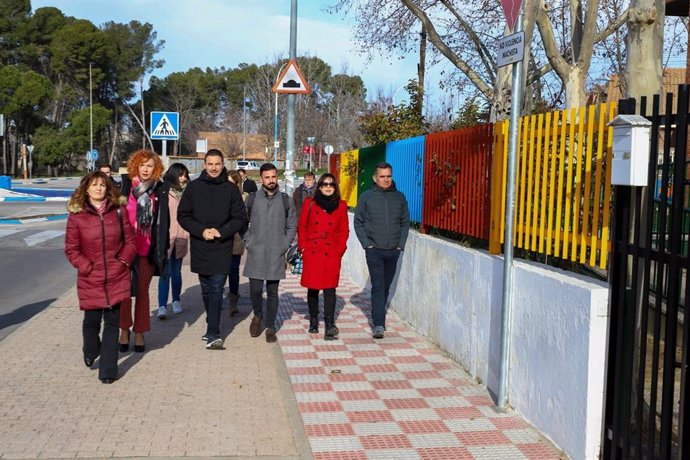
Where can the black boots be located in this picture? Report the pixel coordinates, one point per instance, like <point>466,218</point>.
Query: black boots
<point>314,325</point>
<point>331,330</point>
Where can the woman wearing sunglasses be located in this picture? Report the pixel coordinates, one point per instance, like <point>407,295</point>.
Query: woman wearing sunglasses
<point>322,239</point>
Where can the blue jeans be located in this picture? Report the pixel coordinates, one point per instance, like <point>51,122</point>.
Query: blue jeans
<point>234,277</point>
<point>382,264</point>
<point>212,294</point>
<point>174,272</point>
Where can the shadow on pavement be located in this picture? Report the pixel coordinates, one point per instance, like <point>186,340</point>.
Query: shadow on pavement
<point>23,313</point>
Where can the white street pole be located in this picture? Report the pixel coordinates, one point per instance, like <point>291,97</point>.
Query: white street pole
<point>275,134</point>
<point>290,124</point>
<point>244,123</point>
<point>507,313</point>
<point>90,110</point>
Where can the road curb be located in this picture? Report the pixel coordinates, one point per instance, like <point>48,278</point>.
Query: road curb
<point>31,220</point>
<point>30,199</point>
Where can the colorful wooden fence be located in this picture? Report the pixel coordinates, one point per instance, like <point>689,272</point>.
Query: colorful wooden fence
<point>563,192</point>
<point>407,159</point>
<point>456,181</point>
<point>348,176</point>
<point>369,157</point>
<point>457,174</point>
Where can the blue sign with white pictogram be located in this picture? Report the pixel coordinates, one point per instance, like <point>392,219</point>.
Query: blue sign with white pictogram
<point>165,126</point>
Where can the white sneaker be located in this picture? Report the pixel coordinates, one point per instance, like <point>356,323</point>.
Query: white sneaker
<point>162,312</point>
<point>177,308</point>
<point>216,344</point>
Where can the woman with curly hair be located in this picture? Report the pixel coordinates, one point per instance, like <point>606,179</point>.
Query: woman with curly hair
<point>100,245</point>
<point>144,200</point>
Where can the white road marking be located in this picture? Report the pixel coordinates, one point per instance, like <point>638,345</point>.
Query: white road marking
<point>8,232</point>
<point>40,237</point>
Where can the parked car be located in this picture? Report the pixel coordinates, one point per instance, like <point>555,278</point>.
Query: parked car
<point>248,165</point>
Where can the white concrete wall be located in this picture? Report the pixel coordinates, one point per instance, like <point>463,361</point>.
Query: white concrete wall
<point>452,295</point>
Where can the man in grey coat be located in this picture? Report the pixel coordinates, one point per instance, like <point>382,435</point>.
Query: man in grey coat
<point>382,223</point>
<point>272,227</point>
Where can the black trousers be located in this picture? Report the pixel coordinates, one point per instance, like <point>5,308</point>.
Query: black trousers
<point>107,347</point>
<point>256,291</point>
<point>328,304</point>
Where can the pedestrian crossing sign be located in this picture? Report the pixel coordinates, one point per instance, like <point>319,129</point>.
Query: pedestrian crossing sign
<point>165,126</point>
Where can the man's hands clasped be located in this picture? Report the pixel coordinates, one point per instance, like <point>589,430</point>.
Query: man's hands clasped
<point>210,233</point>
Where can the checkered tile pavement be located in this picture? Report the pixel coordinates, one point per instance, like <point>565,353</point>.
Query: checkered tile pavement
<point>396,398</point>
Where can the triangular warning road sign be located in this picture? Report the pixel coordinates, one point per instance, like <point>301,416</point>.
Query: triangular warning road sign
<point>291,80</point>
<point>164,128</point>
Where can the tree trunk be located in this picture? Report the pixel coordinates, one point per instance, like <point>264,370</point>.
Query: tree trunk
<point>421,69</point>
<point>576,96</point>
<point>644,68</point>
<point>116,130</point>
<point>143,114</point>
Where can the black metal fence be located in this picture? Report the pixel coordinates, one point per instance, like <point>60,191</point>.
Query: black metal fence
<point>646,415</point>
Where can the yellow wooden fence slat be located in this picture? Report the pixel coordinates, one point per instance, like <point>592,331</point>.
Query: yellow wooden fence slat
<point>607,198</point>
<point>562,149</point>
<point>585,236</point>
<point>598,186</point>
<point>569,181</point>
<point>522,185</point>
<point>552,185</point>
<point>536,194</point>
<point>578,184</point>
<point>529,189</point>
<point>545,193</point>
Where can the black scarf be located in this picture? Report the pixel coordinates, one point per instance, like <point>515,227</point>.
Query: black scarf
<point>143,193</point>
<point>328,203</point>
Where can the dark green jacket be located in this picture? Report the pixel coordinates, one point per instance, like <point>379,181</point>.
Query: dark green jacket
<point>382,219</point>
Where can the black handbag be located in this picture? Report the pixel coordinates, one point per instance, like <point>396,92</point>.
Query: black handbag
<point>134,266</point>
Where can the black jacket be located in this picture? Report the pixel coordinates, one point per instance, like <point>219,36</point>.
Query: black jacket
<point>382,219</point>
<point>212,203</point>
<point>249,186</point>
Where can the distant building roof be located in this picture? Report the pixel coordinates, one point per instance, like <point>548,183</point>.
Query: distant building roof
<point>232,144</point>
<point>672,77</point>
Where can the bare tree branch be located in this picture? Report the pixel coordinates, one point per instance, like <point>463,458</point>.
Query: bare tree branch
<point>456,60</point>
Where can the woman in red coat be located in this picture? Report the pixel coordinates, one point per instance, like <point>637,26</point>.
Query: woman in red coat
<point>322,239</point>
<point>100,244</point>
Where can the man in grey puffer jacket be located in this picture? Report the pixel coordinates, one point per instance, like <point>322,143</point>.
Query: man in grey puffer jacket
<point>382,223</point>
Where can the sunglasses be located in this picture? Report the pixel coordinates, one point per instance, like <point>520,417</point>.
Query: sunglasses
<point>328,184</point>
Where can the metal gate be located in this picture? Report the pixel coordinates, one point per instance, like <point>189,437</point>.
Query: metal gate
<point>646,416</point>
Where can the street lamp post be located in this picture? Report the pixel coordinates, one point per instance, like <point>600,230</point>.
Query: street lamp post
<point>90,110</point>
<point>244,123</point>
<point>275,122</point>
<point>275,133</point>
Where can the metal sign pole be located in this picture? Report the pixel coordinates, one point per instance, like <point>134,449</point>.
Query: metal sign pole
<point>165,154</point>
<point>507,306</point>
<point>290,124</point>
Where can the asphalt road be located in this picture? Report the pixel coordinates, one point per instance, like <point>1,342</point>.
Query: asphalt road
<point>34,270</point>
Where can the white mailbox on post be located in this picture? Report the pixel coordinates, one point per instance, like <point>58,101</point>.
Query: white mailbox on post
<point>630,150</point>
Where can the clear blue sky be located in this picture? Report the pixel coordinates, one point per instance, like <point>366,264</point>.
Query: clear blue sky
<point>215,33</point>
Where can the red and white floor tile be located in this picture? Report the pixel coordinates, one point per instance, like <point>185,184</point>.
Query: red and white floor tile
<point>395,398</point>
